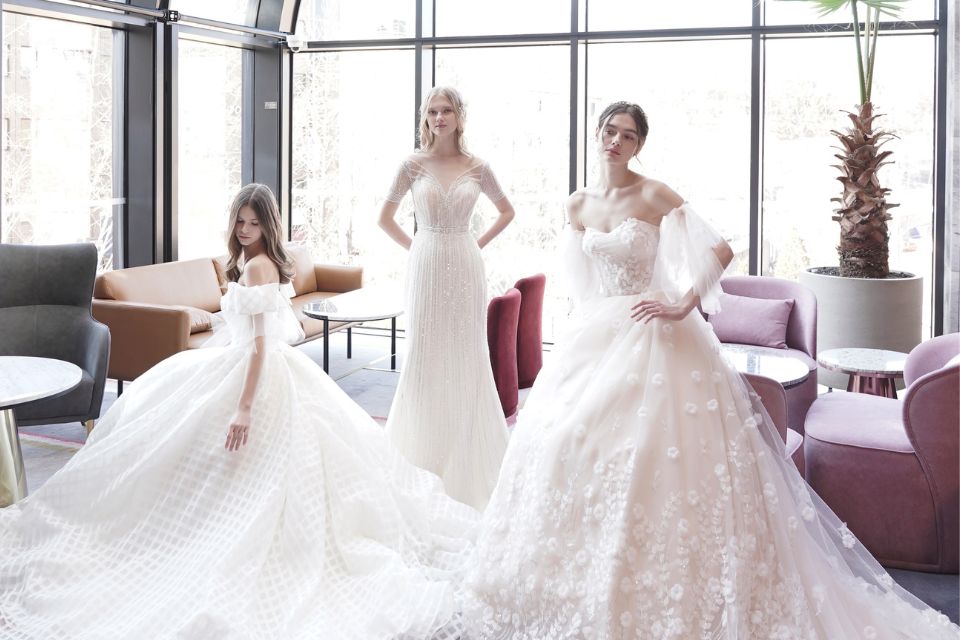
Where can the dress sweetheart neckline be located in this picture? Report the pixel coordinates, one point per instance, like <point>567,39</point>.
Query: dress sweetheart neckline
<point>620,224</point>
<point>436,180</point>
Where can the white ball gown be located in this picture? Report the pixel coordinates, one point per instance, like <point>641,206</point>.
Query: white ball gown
<point>645,494</point>
<point>446,415</point>
<point>315,529</point>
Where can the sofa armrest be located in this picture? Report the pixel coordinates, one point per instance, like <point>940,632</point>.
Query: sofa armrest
<point>338,278</point>
<point>141,335</point>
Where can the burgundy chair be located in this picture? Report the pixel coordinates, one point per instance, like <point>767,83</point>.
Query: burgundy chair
<point>889,467</point>
<point>503,314</point>
<point>530,329</point>
<point>801,333</point>
<point>774,400</point>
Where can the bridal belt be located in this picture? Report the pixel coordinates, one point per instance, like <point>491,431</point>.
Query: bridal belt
<point>442,229</point>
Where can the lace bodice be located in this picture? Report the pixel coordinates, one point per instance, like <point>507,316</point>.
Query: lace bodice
<point>444,208</point>
<point>624,256</point>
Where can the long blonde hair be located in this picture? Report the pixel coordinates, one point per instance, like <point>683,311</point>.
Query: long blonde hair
<point>260,198</point>
<point>426,137</point>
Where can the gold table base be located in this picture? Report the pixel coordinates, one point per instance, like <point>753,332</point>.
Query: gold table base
<point>13,479</point>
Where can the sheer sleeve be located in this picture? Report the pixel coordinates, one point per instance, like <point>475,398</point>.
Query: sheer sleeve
<point>254,312</point>
<point>686,260</point>
<point>578,272</point>
<point>401,183</point>
<point>489,185</point>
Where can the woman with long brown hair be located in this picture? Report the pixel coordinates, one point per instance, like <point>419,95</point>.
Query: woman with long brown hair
<point>235,492</point>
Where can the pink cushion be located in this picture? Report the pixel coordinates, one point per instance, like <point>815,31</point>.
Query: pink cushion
<point>757,321</point>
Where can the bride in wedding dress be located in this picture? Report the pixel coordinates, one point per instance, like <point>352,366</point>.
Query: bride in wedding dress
<point>446,415</point>
<point>645,493</point>
<point>235,492</point>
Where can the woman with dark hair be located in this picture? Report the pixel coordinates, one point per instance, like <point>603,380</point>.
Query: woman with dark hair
<point>235,492</point>
<point>446,415</point>
<point>645,492</point>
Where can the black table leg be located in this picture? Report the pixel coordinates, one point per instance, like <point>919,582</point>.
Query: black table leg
<point>326,345</point>
<point>349,342</point>
<point>393,342</point>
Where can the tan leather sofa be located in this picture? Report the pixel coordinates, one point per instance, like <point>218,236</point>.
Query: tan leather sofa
<point>158,310</point>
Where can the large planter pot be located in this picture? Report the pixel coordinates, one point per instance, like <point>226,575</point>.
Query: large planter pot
<point>864,312</point>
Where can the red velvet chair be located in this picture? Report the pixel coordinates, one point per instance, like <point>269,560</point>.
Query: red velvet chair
<point>503,313</point>
<point>530,329</point>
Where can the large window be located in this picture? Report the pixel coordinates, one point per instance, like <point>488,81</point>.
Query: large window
<point>353,123</point>
<point>743,137</point>
<point>210,144</point>
<point>60,132</point>
<point>803,103</point>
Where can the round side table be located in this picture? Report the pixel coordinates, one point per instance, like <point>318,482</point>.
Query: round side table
<point>872,371</point>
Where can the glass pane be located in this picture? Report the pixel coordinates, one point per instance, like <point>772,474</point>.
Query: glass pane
<point>699,116</point>
<point>792,12</point>
<point>494,17</point>
<point>519,123</point>
<point>356,19</point>
<point>616,15</point>
<point>349,137</point>
<point>804,102</point>
<point>210,130</point>
<point>232,11</point>
<point>58,134</point>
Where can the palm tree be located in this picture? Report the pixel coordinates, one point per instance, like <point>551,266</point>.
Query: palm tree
<point>863,207</point>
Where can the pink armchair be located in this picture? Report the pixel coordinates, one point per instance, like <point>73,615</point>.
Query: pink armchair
<point>889,467</point>
<point>801,332</point>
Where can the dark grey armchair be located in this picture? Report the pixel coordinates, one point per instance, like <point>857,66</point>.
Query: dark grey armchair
<point>45,298</point>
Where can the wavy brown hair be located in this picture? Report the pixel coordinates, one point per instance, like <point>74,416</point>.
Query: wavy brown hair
<point>261,200</point>
<point>632,110</point>
<point>451,94</point>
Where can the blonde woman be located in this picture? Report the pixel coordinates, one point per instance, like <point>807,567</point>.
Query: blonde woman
<point>235,492</point>
<point>446,416</point>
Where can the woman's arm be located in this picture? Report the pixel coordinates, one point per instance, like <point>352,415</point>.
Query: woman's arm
<point>389,224</point>
<point>258,272</point>
<point>506,217</point>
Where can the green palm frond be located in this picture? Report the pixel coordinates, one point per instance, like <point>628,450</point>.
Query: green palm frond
<point>891,8</point>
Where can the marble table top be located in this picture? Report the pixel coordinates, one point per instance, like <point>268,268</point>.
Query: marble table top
<point>359,305</point>
<point>784,368</point>
<point>862,361</point>
<point>23,378</point>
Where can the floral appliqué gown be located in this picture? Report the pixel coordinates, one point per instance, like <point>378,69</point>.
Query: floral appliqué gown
<point>645,494</point>
<point>446,415</point>
<point>316,528</point>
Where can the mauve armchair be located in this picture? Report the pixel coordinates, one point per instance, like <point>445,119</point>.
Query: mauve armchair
<point>45,299</point>
<point>530,329</point>
<point>801,333</point>
<point>774,400</point>
<point>503,312</point>
<point>889,467</point>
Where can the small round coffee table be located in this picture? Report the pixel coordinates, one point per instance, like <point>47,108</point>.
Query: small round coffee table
<point>872,371</point>
<point>23,379</point>
<point>788,370</point>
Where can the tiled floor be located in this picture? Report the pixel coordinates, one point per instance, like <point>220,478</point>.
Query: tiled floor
<point>373,390</point>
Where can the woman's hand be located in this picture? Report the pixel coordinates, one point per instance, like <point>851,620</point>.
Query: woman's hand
<point>646,310</point>
<point>238,431</point>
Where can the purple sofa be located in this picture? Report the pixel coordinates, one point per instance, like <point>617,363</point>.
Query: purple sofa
<point>530,329</point>
<point>889,467</point>
<point>801,333</point>
<point>774,400</point>
<point>503,312</point>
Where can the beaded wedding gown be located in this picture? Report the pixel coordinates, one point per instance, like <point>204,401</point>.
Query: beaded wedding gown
<point>446,415</point>
<point>645,493</point>
<point>316,528</point>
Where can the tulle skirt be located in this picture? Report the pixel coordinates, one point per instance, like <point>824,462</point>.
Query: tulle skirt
<point>645,494</point>
<point>315,529</point>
